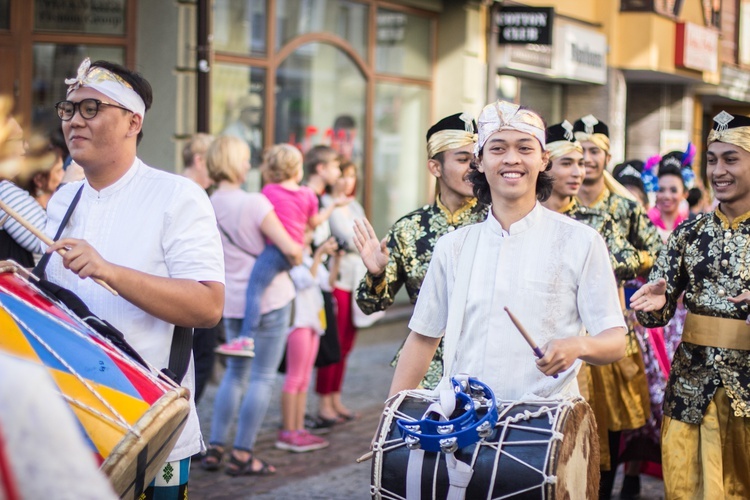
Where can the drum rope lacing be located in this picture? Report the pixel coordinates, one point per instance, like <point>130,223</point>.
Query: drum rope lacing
<point>506,421</point>
<point>118,419</point>
<point>154,374</point>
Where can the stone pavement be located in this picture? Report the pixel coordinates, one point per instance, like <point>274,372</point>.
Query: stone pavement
<point>331,473</point>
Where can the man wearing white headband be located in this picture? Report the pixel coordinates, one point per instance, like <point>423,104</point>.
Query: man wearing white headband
<point>515,259</point>
<point>627,398</point>
<point>401,259</point>
<point>706,429</point>
<point>149,234</point>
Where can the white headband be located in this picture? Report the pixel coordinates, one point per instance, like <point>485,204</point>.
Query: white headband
<point>109,84</point>
<point>503,115</point>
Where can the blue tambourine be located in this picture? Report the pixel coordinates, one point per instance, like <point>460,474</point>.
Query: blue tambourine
<point>478,417</point>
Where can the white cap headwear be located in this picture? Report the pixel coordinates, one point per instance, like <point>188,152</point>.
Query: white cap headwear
<point>109,84</point>
<point>504,115</point>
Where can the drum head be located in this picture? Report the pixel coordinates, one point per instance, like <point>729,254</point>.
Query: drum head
<point>136,460</point>
<point>575,459</point>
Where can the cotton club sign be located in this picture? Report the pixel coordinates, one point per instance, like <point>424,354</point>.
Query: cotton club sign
<point>522,25</point>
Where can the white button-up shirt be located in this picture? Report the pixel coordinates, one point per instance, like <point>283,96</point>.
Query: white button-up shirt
<point>157,223</point>
<point>552,272</point>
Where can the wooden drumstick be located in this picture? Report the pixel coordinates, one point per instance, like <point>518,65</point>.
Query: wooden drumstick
<point>538,352</point>
<point>46,239</point>
<point>367,456</point>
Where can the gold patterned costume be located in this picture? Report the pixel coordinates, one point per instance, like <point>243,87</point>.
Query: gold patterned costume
<point>618,392</point>
<point>706,430</point>
<point>411,241</point>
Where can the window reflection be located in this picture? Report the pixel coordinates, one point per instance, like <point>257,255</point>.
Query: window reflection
<point>403,44</point>
<point>399,177</point>
<point>238,108</point>
<point>80,17</point>
<point>344,18</point>
<point>53,63</point>
<point>239,26</point>
<point>320,99</point>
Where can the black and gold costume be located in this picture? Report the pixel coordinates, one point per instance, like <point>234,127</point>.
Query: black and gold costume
<point>411,241</point>
<point>708,259</point>
<point>625,259</point>
<point>634,225</point>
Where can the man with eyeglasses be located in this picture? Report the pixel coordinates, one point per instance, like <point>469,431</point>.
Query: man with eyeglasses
<point>149,234</point>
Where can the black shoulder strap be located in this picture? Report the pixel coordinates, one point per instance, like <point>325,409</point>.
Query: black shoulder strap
<point>182,339</point>
<point>231,241</point>
<point>38,271</point>
<point>179,353</point>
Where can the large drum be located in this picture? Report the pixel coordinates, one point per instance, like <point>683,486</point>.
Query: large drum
<point>129,415</point>
<point>538,449</point>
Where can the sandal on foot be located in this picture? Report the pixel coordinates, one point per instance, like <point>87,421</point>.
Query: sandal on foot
<point>237,467</point>
<point>213,458</point>
<point>348,416</point>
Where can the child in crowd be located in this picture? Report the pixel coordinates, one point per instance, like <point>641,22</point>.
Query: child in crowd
<point>310,279</point>
<point>297,209</point>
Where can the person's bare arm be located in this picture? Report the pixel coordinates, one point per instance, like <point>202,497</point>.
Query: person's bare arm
<point>606,347</point>
<point>181,302</point>
<point>413,362</point>
<point>273,229</point>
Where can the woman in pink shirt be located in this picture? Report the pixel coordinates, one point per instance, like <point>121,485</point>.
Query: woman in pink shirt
<point>297,209</point>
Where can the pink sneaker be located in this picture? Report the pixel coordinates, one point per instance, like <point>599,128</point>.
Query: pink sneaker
<point>241,346</point>
<point>300,441</point>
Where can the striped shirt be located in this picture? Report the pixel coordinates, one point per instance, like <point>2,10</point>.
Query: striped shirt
<point>22,202</point>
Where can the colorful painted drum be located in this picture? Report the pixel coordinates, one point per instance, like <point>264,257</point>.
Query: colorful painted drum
<point>129,415</point>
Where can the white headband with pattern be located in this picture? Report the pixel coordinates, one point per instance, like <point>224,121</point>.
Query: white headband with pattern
<point>504,115</point>
<point>109,84</point>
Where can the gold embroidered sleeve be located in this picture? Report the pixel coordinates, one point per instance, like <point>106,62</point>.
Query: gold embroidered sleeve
<point>644,237</point>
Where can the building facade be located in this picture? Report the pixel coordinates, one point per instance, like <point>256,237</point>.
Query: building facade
<point>370,76</point>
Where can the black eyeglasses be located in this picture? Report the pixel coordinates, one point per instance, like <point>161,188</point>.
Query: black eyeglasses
<point>88,108</point>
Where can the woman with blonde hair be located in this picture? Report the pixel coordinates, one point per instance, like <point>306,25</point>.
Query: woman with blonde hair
<point>297,209</point>
<point>245,221</point>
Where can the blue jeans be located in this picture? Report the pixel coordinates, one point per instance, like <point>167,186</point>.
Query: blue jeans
<point>269,263</point>
<point>270,340</point>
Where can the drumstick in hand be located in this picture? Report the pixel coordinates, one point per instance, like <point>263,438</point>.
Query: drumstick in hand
<point>46,239</point>
<point>538,352</point>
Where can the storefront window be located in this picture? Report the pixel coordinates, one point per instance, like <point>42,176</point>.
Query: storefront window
<point>404,44</point>
<point>239,26</point>
<point>82,16</point>
<point>317,87</point>
<point>53,63</point>
<point>341,17</point>
<point>238,108</point>
<point>399,177</point>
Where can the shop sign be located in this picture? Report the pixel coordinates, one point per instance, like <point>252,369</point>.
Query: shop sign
<point>580,54</point>
<point>735,83</point>
<point>697,48</point>
<point>522,25</point>
<point>80,16</point>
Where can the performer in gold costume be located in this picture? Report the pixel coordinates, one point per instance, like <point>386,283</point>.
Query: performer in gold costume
<point>402,257</point>
<point>622,386</point>
<point>706,428</point>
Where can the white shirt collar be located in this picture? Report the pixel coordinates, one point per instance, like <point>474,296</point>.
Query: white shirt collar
<point>517,227</point>
<point>118,185</point>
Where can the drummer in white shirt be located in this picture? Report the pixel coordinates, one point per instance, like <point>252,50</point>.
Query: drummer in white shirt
<point>552,272</point>
<point>149,234</point>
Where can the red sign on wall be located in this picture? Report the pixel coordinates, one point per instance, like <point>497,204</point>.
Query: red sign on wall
<point>697,48</point>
